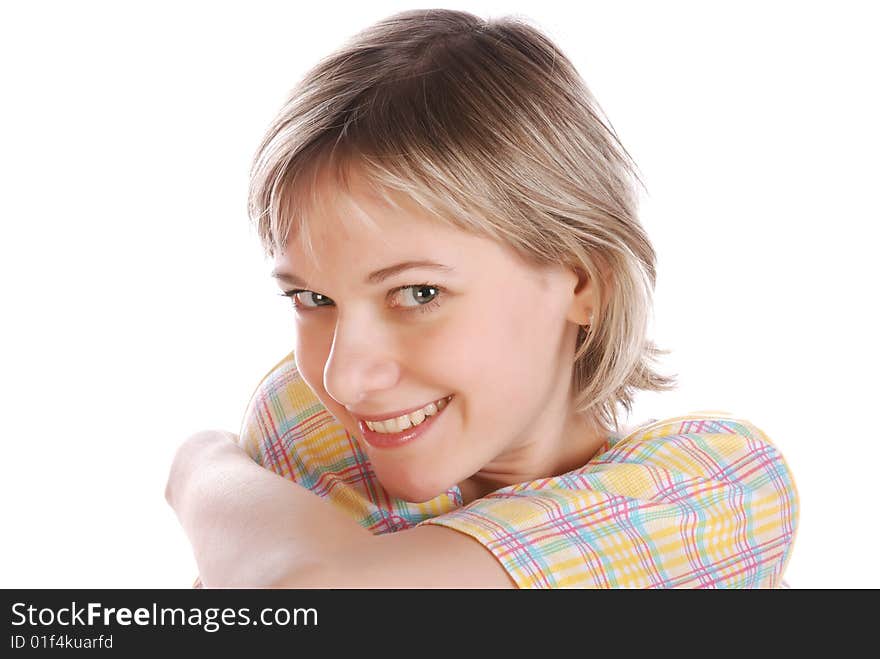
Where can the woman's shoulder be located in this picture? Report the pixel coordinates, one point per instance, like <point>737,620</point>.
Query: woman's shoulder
<point>280,408</point>
<point>710,444</point>
<point>699,500</point>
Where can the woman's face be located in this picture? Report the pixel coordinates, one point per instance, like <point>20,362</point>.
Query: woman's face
<point>377,336</point>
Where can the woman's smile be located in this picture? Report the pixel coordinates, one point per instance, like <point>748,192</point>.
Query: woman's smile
<point>404,419</point>
<point>404,429</point>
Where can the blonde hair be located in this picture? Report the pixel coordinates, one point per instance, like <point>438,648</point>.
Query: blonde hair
<point>487,126</point>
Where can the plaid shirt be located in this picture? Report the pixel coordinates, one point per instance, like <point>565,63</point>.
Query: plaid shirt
<point>699,501</point>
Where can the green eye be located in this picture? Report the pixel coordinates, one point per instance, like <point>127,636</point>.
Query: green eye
<point>307,299</point>
<point>422,298</point>
<point>422,294</point>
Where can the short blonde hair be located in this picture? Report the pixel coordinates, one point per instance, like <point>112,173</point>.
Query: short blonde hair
<point>487,126</point>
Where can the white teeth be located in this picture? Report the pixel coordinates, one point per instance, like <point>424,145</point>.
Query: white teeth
<point>407,421</point>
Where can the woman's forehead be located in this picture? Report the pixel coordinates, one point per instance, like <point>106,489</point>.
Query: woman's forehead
<point>356,231</point>
<point>360,210</point>
<point>344,217</point>
<point>450,253</point>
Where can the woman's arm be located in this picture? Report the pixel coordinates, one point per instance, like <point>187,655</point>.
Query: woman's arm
<point>251,528</point>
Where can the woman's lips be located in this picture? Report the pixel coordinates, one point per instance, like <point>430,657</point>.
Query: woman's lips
<point>388,440</point>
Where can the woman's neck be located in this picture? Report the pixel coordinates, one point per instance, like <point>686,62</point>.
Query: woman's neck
<point>578,442</point>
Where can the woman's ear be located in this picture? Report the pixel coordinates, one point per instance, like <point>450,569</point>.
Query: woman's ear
<point>583,298</point>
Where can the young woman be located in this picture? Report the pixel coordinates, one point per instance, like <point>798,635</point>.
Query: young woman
<point>456,227</point>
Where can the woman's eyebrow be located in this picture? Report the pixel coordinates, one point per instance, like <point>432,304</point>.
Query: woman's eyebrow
<point>375,277</point>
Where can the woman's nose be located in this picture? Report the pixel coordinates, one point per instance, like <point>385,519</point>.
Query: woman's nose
<point>359,365</point>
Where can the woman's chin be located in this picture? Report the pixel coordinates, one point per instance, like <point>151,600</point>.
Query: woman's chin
<point>410,489</point>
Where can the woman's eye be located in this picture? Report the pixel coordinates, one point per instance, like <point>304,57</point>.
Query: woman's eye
<point>415,296</point>
<point>307,299</point>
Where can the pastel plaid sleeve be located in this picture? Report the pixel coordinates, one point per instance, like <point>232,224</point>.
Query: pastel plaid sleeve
<point>688,502</point>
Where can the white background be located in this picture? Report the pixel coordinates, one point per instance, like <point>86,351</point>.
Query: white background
<point>138,308</point>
